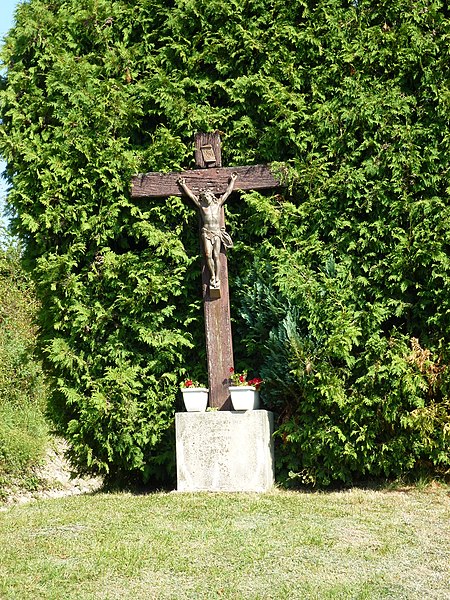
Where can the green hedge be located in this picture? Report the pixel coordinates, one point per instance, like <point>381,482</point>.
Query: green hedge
<point>350,262</point>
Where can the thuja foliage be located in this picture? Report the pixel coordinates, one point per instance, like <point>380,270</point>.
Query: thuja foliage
<point>348,317</point>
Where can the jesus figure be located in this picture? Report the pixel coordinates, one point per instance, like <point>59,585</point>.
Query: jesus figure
<point>213,234</point>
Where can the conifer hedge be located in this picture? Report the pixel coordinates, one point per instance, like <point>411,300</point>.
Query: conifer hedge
<point>343,279</point>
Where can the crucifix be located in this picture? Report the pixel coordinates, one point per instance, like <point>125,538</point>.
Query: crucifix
<point>208,187</point>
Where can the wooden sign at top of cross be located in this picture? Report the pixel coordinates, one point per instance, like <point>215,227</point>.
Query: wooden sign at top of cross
<point>210,179</point>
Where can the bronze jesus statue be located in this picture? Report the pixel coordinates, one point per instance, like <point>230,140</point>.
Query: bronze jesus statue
<point>213,234</point>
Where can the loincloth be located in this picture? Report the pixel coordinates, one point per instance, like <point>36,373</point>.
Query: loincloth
<point>222,235</point>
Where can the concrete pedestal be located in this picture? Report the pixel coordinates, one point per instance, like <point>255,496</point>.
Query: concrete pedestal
<point>225,451</point>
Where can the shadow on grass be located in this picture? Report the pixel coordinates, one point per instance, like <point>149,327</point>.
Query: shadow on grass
<point>419,482</point>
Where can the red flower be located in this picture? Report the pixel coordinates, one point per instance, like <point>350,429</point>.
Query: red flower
<point>231,369</point>
<point>256,382</point>
<point>189,383</point>
<point>242,378</point>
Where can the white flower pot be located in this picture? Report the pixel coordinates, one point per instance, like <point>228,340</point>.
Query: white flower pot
<point>244,397</point>
<point>195,399</point>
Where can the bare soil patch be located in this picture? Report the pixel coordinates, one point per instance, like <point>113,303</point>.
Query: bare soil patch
<point>55,478</point>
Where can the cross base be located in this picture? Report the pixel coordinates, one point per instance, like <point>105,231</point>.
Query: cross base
<point>226,451</point>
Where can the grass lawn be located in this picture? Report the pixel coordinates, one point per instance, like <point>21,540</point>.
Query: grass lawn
<point>352,544</point>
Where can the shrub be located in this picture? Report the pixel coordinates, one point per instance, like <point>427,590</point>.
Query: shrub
<point>345,411</point>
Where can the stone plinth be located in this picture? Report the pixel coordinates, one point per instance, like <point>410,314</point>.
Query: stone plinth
<point>225,451</point>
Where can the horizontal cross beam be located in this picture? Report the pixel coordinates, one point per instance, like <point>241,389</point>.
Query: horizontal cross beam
<point>157,185</point>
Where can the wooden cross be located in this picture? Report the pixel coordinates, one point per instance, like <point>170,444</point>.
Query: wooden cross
<point>210,176</point>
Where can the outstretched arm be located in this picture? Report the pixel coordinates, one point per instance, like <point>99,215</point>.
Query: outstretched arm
<point>229,189</point>
<point>182,181</point>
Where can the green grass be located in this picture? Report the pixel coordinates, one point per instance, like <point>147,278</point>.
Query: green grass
<point>355,544</point>
<point>23,391</point>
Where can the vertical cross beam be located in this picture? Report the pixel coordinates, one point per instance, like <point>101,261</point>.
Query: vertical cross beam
<point>219,345</point>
